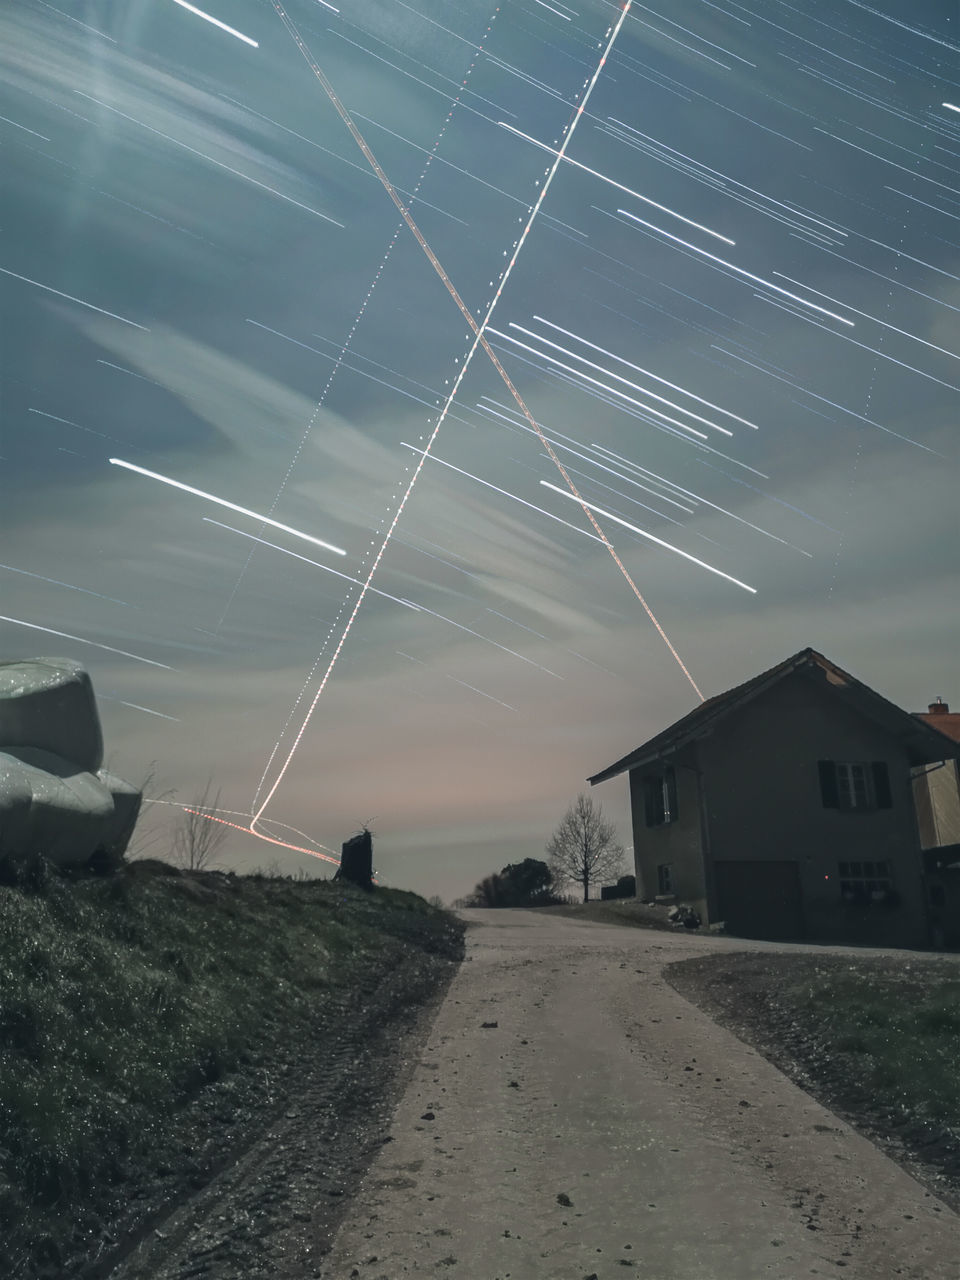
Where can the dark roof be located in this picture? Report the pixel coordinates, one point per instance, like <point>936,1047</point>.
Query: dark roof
<point>923,743</point>
<point>947,722</point>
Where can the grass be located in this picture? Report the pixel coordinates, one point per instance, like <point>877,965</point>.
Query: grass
<point>123,996</point>
<point>901,1028</point>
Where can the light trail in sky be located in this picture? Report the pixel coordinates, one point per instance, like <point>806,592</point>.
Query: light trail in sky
<point>696,497</point>
<point>210,160</point>
<point>63,635</point>
<point>474,689</point>
<point>274,546</point>
<point>619,185</point>
<point>69,585</point>
<point>767,284</point>
<point>42,136</point>
<point>207,17</point>
<point>949,106</point>
<point>232,506</point>
<point>659,541</point>
<point>627,382</point>
<point>480,636</point>
<point>70,298</point>
<point>823,399</point>
<point>933,346</point>
<point>506,493</point>
<point>135,706</point>
<point>647,373</point>
<point>479,340</point>
<point>578,375</point>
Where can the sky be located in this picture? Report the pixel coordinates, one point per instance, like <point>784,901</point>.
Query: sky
<point>652,384</point>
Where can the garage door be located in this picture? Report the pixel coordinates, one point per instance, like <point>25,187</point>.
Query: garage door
<point>760,899</point>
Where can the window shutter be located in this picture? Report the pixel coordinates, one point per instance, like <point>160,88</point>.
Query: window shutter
<point>828,784</point>
<point>881,784</point>
<point>672,794</point>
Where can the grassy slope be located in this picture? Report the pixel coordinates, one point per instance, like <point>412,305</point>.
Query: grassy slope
<point>121,997</point>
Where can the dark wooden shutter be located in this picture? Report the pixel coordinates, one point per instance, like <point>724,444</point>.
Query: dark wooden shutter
<point>672,794</point>
<point>828,784</point>
<point>881,784</point>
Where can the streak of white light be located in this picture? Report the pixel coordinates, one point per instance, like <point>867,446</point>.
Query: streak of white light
<point>566,19</point>
<point>506,493</point>
<point>673,40</point>
<point>149,710</point>
<point>121,369</point>
<point>926,203</point>
<point>794,311</point>
<point>16,125</point>
<point>695,497</point>
<point>593,462</point>
<point>823,399</point>
<point>767,284</point>
<point>585,377</point>
<point>210,160</point>
<point>63,635</point>
<point>207,17</point>
<point>619,378</point>
<point>659,541</point>
<point>57,583</point>
<point>222,502</point>
<point>949,106</point>
<point>70,298</point>
<point>696,36</point>
<point>480,636</point>
<point>619,185</point>
<point>924,35</point>
<point>473,687</point>
<point>306,560</point>
<point>331,8</point>
<point>723,177</point>
<point>478,341</point>
<point>647,373</point>
<point>933,346</point>
<point>885,160</point>
<point>69,18</point>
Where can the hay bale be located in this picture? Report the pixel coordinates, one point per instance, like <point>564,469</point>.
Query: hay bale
<point>48,703</point>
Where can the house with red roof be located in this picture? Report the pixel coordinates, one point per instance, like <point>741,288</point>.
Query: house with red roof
<point>792,807</point>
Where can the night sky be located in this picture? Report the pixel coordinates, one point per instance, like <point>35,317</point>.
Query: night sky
<point>733,316</point>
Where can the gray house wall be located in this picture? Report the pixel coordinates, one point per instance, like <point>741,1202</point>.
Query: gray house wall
<point>679,844</point>
<point>763,803</point>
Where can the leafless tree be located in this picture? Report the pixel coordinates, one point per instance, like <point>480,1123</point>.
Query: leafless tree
<point>584,848</point>
<point>198,836</point>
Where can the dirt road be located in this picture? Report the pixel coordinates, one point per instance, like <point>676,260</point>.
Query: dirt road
<point>571,1116</point>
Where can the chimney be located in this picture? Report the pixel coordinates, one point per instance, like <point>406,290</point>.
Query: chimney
<point>938,708</point>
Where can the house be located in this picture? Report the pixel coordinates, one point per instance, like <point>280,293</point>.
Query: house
<point>936,794</point>
<point>785,808</point>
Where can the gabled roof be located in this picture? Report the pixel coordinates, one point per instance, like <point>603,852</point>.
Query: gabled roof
<point>922,742</point>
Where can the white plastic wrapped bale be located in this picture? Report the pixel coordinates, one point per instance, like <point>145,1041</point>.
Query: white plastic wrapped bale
<point>49,703</point>
<point>126,809</point>
<point>70,809</point>
<point>16,797</point>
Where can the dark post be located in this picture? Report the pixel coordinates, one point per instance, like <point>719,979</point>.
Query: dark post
<point>356,860</point>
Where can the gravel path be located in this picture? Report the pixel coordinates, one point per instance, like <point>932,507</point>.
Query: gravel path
<point>603,1125</point>
<point>560,1113</point>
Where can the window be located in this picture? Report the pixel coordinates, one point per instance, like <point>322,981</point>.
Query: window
<point>865,882</point>
<point>664,878</point>
<point>660,797</point>
<point>854,784</point>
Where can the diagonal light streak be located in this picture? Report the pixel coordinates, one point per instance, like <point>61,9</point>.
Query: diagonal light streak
<point>506,492</point>
<point>232,506</point>
<point>767,284</point>
<point>207,17</point>
<point>619,185</point>
<point>63,635</point>
<point>659,541</point>
<point>479,340</point>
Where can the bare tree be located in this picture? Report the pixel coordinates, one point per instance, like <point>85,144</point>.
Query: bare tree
<point>584,848</point>
<point>199,835</point>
